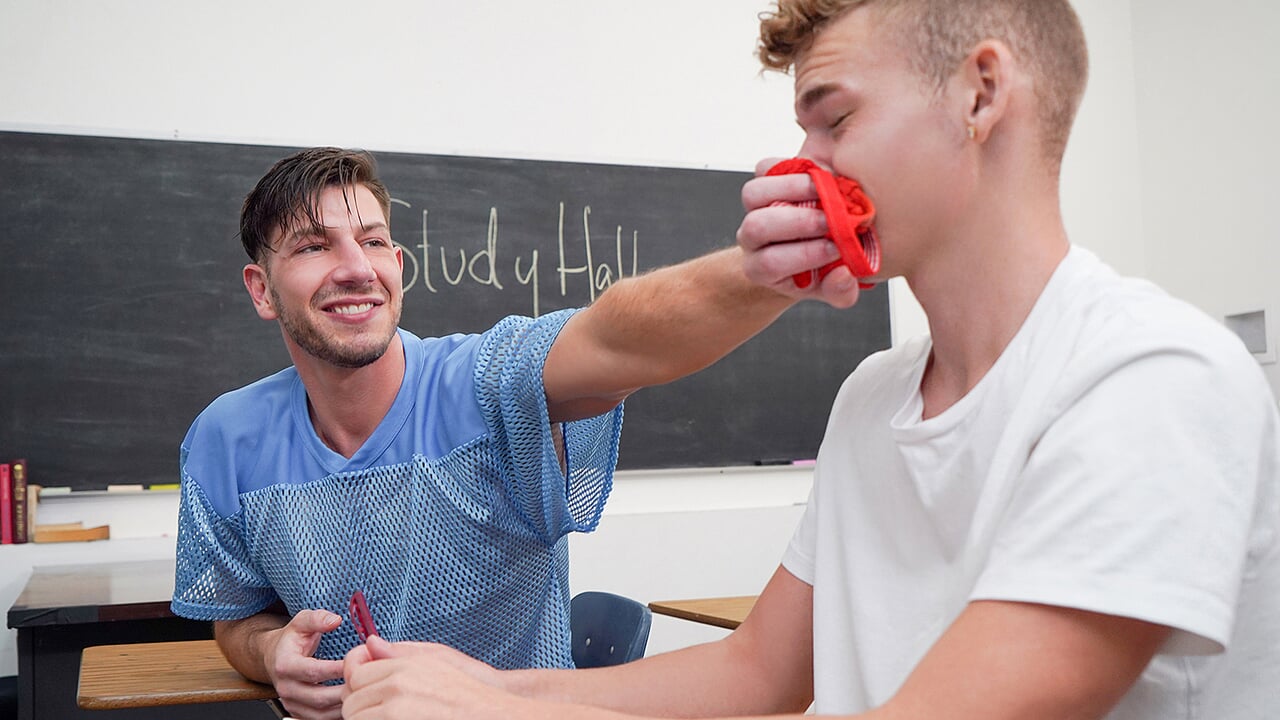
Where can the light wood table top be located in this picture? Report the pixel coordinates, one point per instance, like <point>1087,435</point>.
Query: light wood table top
<point>725,612</point>
<point>163,673</point>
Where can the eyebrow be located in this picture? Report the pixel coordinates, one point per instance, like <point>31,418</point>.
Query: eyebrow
<point>304,231</point>
<point>376,225</point>
<point>814,95</point>
<point>313,230</point>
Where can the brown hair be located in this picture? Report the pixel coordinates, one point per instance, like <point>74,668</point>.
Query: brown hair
<point>1044,34</point>
<point>291,189</point>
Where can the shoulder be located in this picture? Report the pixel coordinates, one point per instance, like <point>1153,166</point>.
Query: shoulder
<point>1103,323</point>
<point>247,409</point>
<point>519,343</point>
<point>887,375</point>
<point>433,356</point>
<point>227,438</point>
<point>460,353</point>
<point>519,328</point>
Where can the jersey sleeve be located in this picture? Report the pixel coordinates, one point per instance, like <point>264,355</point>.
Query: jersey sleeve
<point>1141,499</point>
<point>215,579</point>
<point>509,387</point>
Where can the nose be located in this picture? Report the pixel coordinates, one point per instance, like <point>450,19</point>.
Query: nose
<point>353,266</point>
<point>817,150</point>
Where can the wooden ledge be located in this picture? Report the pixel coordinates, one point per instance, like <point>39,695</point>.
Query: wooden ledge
<point>164,673</point>
<point>725,612</point>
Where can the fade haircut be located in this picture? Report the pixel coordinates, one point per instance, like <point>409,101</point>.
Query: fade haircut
<point>1045,35</point>
<point>290,192</point>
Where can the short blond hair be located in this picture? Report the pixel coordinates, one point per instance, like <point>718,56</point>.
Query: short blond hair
<point>1044,34</point>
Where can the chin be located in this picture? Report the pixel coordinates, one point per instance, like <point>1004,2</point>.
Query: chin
<point>351,354</point>
<point>358,356</point>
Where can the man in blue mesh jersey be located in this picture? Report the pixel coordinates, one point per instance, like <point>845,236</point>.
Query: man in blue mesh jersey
<point>440,476</point>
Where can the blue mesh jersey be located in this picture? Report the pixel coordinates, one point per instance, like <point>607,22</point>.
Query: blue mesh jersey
<point>451,518</point>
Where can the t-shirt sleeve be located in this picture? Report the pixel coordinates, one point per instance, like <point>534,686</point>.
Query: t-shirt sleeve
<point>1139,500</point>
<point>799,557</point>
<point>509,387</point>
<point>215,580</point>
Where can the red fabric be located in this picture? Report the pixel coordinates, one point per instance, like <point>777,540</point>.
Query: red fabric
<point>849,221</point>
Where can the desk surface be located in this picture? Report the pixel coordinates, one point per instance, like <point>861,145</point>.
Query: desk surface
<point>725,612</point>
<point>164,673</point>
<point>75,594</point>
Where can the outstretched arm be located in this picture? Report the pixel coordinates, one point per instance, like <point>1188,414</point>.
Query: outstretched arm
<point>763,667</point>
<point>661,326</point>
<point>652,329</point>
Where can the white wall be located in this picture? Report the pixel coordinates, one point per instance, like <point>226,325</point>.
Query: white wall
<point>575,79</point>
<point>665,82</point>
<point>1208,100</point>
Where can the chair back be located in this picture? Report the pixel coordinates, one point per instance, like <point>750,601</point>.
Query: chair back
<point>607,629</point>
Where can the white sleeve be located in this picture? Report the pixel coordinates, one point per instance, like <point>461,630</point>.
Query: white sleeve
<point>1140,499</point>
<point>799,556</point>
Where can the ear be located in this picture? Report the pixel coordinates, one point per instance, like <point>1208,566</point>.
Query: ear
<point>986,77</point>
<point>256,282</point>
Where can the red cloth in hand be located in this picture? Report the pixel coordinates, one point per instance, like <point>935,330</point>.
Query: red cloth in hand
<point>849,221</point>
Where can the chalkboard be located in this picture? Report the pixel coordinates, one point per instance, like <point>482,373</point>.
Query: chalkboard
<point>124,314</point>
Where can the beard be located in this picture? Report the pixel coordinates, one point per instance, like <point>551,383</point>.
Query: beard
<point>363,351</point>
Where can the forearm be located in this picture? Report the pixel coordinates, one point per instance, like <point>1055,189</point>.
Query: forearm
<point>658,327</point>
<point>242,642</point>
<point>680,319</point>
<point>716,679</point>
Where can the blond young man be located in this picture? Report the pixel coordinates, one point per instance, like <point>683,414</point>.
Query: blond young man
<point>1062,503</point>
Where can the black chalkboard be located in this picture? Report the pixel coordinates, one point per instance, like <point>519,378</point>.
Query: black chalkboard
<point>124,313</point>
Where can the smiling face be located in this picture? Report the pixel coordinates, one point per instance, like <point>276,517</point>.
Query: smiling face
<point>869,115</point>
<point>334,287</point>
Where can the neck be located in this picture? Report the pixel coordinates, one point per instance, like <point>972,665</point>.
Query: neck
<point>346,405</point>
<point>979,286</point>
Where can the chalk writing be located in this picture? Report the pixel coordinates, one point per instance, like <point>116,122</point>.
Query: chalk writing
<point>436,267</point>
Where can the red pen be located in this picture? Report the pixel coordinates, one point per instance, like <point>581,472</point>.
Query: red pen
<point>361,618</point>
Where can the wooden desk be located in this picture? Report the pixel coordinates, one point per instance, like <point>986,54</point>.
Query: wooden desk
<point>725,612</point>
<point>66,608</point>
<point>164,673</point>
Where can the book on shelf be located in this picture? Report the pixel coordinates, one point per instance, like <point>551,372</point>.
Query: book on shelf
<point>70,532</point>
<point>6,504</point>
<point>18,472</point>
<point>33,502</point>
<point>19,501</point>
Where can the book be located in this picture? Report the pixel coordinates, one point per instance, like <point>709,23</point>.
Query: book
<point>70,532</point>
<point>18,471</point>
<point>33,502</point>
<point>6,504</point>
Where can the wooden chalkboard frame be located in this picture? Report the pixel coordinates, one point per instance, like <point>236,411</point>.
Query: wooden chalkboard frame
<point>124,313</point>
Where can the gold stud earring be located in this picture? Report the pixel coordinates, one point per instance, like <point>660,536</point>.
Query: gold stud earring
<point>973,132</point>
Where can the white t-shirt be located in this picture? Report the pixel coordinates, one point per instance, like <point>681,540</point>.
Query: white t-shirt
<point>1119,457</point>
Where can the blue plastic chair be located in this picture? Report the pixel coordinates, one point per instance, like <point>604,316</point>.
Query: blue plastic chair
<point>607,629</point>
